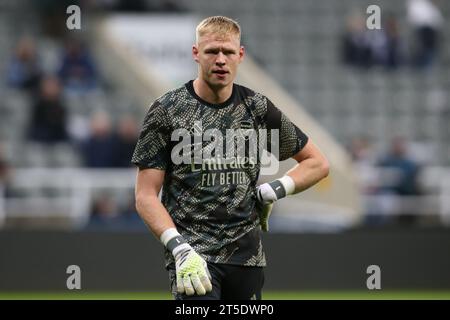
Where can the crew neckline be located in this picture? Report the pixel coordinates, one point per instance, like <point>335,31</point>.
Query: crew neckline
<point>190,88</point>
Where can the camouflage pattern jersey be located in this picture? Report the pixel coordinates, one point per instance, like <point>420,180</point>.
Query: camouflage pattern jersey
<point>212,203</point>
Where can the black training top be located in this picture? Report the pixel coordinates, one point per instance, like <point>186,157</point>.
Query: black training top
<point>207,152</point>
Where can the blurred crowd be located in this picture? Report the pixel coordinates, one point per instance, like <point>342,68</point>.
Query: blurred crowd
<point>388,47</point>
<point>105,144</point>
<point>102,140</point>
<point>400,182</point>
<point>106,140</point>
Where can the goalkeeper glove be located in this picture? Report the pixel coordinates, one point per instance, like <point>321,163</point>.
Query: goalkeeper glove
<point>267,194</point>
<point>192,271</point>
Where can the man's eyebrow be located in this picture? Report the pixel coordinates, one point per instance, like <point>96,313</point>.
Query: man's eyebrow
<point>210,49</point>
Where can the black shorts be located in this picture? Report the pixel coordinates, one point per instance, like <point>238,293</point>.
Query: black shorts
<point>229,282</point>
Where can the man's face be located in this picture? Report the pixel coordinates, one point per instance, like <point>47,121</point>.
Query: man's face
<point>218,58</point>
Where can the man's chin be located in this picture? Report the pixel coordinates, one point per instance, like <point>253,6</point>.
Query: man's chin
<point>219,83</point>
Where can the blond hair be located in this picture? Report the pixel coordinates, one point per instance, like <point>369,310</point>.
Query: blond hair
<point>220,25</point>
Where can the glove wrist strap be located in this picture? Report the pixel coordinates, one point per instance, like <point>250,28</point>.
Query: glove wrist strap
<point>288,184</point>
<point>173,241</point>
<point>283,187</point>
<point>278,188</point>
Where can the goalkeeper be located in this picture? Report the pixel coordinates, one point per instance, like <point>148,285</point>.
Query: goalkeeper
<point>211,212</point>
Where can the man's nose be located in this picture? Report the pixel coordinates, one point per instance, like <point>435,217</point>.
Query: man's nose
<point>220,60</point>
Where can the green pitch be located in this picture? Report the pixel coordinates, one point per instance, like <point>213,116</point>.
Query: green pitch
<point>268,295</point>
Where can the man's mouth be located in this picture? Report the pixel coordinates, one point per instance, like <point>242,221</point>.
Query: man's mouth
<point>221,72</point>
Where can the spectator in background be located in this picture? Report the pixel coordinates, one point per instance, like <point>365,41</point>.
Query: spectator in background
<point>107,213</point>
<point>48,115</point>
<point>24,71</point>
<point>386,45</point>
<point>363,158</point>
<point>408,169</point>
<point>395,48</point>
<point>127,135</point>
<point>404,183</point>
<point>104,213</point>
<point>426,20</point>
<point>366,48</point>
<point>52,15</point>
<point>77,73</point>
<point>99,148</point>
<point>355,43</point>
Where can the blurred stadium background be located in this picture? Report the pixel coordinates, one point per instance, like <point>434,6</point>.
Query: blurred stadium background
<point>376,101</point>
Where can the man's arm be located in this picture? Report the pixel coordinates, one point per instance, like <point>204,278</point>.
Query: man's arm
<point>191,270</point>
<point>312,167</point>
<point>148,205</point>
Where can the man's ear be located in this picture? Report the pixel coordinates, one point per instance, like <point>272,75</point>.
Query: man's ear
<point>241,53</point>
<point>195,52</point>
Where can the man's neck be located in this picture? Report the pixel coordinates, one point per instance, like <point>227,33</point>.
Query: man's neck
<point>212,95</point>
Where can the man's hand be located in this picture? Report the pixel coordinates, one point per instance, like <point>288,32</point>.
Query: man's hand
<point>267,194</point>
<point>192,271</point>
<point>265,197</point>
<point>264,211</point>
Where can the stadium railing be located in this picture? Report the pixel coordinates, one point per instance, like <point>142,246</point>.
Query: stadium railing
<point>66,195</point>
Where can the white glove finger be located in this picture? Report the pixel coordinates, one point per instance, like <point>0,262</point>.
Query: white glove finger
<point>205,277</point>
<point>206,282</point>
<point>188,289</point>
<point>199,289</point>
<point>180,286</point>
